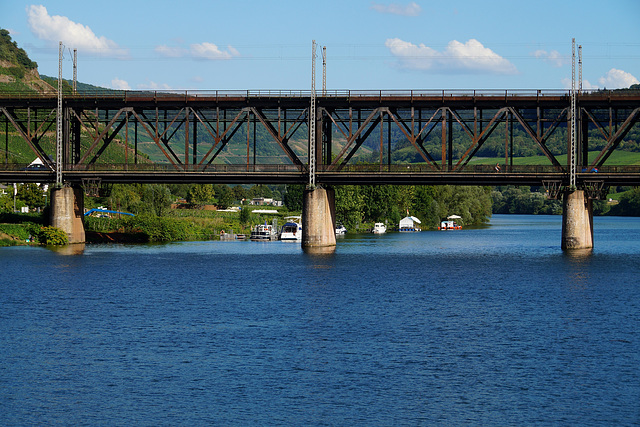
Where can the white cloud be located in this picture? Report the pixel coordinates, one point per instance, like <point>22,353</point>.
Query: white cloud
<point>171,52</point>
<point>617,79</point>
<point>614,79</point>
<point>411,9</point>
<point>554,57</point>
<point>208,50</point>
<point>467,57</point>
<point>203,50</point>
<point>154,86</point>
<point>120,84</point>
<point>60,28</point>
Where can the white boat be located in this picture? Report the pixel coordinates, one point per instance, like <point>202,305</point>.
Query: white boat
<point>292,229</point>
<point>450,224</point>
<point>341,229</point>
<point>379,228</point>
<point>263,232</point>
<point>409,223</point>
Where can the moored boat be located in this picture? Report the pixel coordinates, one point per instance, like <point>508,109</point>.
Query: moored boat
<point>409,224</point>
<point>292,229</point>
<point>263,232</point>
<point>450,223</point>
<point>379,228</point>
<point>341,229</point>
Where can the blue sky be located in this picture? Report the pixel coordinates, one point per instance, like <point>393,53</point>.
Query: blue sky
<point>260,44</point>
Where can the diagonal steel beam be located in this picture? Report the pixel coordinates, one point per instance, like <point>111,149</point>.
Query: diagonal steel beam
<point>282,141</point>
<point>540,141</point>
<point>362,138</point>
<point>413,139</point>
<point>103,133</point>
<point>616,138</point>
<point>478,140</point>
<point>224,138</point>
<point>32,142</point>
<point>153,134</point>
<point>373,115</point>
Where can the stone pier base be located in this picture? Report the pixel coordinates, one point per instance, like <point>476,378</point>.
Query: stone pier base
<point>577,221</point>
<point>318,218</point>
<point>67,212</point>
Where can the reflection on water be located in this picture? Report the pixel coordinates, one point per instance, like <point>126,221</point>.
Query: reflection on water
<point>72,249</point>
<point>578,255</point>
<point>319,250</point>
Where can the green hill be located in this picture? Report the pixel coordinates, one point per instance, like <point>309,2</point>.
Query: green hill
<point>18,73</point>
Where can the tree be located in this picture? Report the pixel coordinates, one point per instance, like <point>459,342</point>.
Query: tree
<point>32,195</point>
<point>225,195</point>
<point>293,197</point>
<point>245,215</point>
<point>349,205</point>
<point>156,198</point>
<point>260,190</point>
<point>126,198</point>
<point>6,202</point>
<point>239,193</point>
<point>179,190</point>
<point>200,194</point>
<point>629,204</point>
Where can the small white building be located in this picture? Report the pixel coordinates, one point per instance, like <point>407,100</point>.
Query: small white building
<point>265,201</point>
<point>409,223</point>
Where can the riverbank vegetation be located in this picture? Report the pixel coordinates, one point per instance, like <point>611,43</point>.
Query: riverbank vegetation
<point>165,213</point>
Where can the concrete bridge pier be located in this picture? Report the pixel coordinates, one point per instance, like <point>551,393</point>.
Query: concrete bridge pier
<point>318,218</point>
<point>67,212</point>
<point>577,220</point>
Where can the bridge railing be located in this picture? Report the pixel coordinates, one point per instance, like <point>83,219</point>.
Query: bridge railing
<point>126,95</point>
<point>409,168</point>
<point>421,168</point>
<point>347,93</point>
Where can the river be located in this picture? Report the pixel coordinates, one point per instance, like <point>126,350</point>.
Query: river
<point>486,326</point>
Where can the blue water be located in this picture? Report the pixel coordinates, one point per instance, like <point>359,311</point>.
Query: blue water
<point>492,326</point>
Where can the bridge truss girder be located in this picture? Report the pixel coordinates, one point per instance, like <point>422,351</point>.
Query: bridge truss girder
<point>175,133</point>
<point>416,131</point>
<point>193,134</point>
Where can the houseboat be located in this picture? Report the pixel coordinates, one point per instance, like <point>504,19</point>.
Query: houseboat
<point>409,224</point>
<point>450,223</point>
<point>263,232</point>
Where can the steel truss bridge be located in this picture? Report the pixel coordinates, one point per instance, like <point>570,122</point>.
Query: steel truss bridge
<point>263,137</point>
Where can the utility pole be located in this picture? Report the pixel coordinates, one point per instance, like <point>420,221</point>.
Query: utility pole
<point>572,137</point>
<point>75,71</point>
<point>312,120</point>
<point>580,68</point>
<point>59,122</point>
<point>324,71</point>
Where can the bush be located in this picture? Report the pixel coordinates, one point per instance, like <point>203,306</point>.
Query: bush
<point>17,230</point>
<point>52,236</point>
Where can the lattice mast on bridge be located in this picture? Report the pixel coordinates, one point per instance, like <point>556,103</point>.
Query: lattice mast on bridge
<point>580,69</point>
<point>75,71</point>
<point>572,138</point>
<point>312,120</point>
<point>59,121</point>
<point>324,71</point>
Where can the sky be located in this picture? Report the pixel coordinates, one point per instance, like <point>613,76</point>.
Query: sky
<point>370,45</point>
